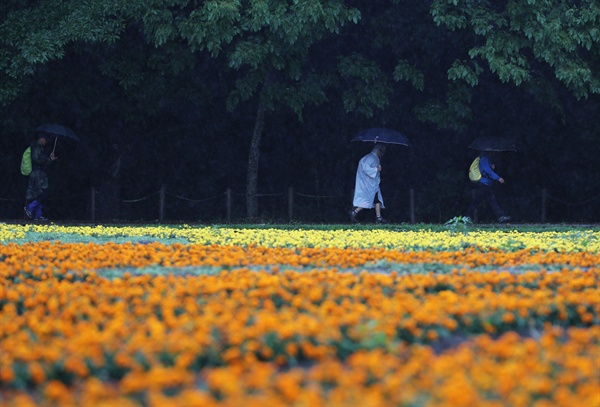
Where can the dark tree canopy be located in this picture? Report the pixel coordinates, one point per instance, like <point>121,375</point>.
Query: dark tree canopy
<point>258,97</point>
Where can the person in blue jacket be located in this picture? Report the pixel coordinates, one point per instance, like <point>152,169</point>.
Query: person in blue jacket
<point>484,189</point>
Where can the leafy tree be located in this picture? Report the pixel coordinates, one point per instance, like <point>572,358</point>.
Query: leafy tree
<point>526,43</point>
<point>33,33</point>
<point>268,43</point>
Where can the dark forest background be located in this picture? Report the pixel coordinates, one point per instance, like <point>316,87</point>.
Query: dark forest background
<point>257,97</point>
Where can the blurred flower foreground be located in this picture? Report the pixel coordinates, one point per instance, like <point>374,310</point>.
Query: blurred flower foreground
<point>188,316</point>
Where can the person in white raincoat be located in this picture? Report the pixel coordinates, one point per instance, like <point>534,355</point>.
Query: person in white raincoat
<point>367,194</point>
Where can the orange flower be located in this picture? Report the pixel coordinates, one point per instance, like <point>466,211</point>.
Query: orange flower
<point>37,373</point>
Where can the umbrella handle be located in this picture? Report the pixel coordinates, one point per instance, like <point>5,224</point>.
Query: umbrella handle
<point>54,148</point>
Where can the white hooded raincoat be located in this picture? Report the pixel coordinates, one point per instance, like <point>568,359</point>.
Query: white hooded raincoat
<point>367,182</point>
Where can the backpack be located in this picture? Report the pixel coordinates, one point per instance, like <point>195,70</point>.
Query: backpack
<point>26,162</point>
<point>474,173</point>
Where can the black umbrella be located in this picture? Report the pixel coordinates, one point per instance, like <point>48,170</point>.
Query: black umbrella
<point>57,130</point>
<point>382,135</point>
<point>489,143</point>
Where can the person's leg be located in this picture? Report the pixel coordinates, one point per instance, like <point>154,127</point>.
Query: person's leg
<point>478,194</point>
<point>30,196</point>
<point>33,209</point>
<point>36,191</point>
<point>377,204</point>
<point>30,208</point>
<point>38,208</point>
<point>38,211</point>
<point>491,197</point>
<point>354,214</point>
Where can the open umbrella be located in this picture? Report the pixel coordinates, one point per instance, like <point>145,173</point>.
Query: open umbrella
<point>57,130</point>
<point>382,135</point>
<point>489,143</point>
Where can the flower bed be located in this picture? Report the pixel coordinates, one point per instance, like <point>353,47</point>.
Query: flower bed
<point>255,318</point>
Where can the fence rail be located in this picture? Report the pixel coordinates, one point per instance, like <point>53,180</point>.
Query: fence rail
<point>162,196</point>
<point>291,204</point>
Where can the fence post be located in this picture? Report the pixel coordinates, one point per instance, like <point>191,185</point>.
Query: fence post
<point>543,205</point>
<point>290,203</point>
<point>411,195</point>
<point>161,204</point>
<point>228,204</point>
<point>93,204</point>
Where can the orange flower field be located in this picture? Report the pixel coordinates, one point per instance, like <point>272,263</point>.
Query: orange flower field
<point>168,318</point>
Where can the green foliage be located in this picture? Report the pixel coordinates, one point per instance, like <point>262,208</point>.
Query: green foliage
<point>461,70</point>
<point>212,25</point>
<point>449,14</point>
<point>454,111</point>
<point>256,38</point>
<point>405,71</point>
<point>458,224</point>
<point>502,53</point>
<point>564,35</point>
<point>37,35</point>
<point>367,85</point>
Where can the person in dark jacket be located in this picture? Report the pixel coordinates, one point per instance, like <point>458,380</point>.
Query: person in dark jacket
<point>38,179</point>
<point>484,189</point>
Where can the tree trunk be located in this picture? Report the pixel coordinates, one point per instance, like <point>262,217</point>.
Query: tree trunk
<point>253,157</point>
